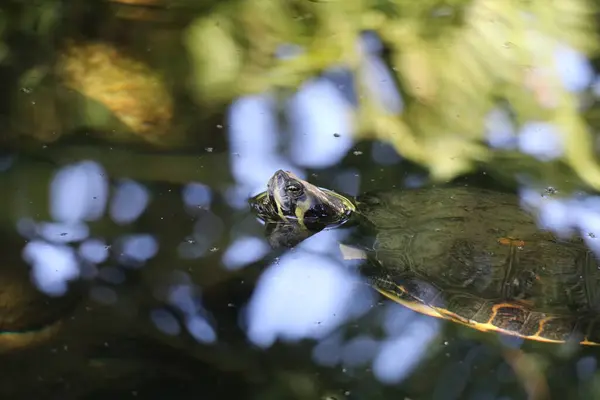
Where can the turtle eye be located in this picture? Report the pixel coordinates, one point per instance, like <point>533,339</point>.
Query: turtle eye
<point>294,189</point>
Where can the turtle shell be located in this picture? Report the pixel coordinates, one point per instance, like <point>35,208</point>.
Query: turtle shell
<point>475,257</point>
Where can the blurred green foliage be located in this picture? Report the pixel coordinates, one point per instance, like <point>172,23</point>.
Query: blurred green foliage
<point>454,61</point>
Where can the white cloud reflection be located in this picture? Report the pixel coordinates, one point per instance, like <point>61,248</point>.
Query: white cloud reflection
<point>359,351</point>
<point>129,201</point>
<point>186,298</point>
<point>574,69</point>
<point>78,192</point>
<point>53,266</point>
<point>500,129</point>
<point>304,295</point>
<point>243,251</point>
<point>393,357</point>
<point>62,232</point>
<point>196,194</point>
<point>321,125</point>
<point>398,356</point>
<point>377,77</point>
<point>541,140</point>
<point>253,143</point>
<point>138,247</point>
<point>94,250</point>
<point>409,334</point>
<point>565,216</point>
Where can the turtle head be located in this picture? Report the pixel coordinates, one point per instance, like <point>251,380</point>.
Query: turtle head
<point>291,199</point>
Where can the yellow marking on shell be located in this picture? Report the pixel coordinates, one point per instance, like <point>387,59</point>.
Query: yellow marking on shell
<point>418,307</point>
<point>586,342</point>
<point>442,313</point>
<point>541,326</point>
<point>489,327</point>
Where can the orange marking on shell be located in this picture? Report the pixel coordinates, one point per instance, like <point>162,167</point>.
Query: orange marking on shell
<point>441,313</point>
<point>511,241</point>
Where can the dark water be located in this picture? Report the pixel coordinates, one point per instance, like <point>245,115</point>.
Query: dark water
<point>173,293</point>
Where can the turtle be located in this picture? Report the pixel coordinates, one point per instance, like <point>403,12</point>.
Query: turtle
<point>470,255</point>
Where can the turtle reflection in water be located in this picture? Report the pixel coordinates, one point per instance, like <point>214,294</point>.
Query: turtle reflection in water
<point>464,254</point>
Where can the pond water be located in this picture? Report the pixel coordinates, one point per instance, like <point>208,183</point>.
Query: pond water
<point>144,275</point>
<point>130,272</point>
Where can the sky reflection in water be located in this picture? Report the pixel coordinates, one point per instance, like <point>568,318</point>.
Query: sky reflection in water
<point>307,293</point>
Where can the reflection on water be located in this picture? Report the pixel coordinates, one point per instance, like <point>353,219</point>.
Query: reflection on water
<point>109,234</point>
<point>139,280</point>
<point>154,257</point>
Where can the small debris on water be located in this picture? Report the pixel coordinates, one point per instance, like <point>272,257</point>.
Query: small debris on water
<point>209,149</point>
<point>336,135</point>
<point>358,153</point>
<point>550,191</point>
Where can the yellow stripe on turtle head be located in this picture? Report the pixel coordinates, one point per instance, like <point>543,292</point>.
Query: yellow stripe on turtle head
<point>301,207</point>
<point>280,211</point>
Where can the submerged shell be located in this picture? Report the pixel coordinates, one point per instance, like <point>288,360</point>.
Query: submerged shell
<point>475,257</point>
